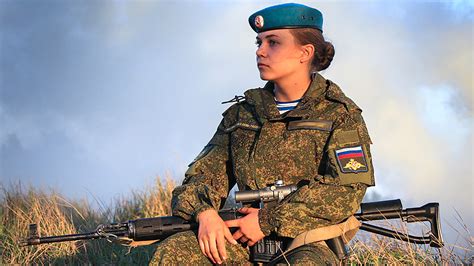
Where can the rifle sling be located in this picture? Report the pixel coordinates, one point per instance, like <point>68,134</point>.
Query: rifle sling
<point>125,241</point>
<point>347,230</point>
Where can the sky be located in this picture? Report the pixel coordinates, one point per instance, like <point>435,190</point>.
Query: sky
<point>100,97</point>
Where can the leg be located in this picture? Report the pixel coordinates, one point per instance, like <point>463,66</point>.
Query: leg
<point>310,254</point>
<point>183,249</point>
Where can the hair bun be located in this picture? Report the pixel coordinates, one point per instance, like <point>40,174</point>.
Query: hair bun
<point>327,56</point>
<point>323,50</point>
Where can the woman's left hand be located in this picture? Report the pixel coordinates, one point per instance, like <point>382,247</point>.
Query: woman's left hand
<point>249,227</point>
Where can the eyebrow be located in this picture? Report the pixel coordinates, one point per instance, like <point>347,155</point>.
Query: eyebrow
<point>267,37</point>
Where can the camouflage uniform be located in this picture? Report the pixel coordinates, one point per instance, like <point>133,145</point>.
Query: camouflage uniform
<point>254,146</point>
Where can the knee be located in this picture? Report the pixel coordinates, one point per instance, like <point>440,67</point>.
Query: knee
<point>180,248</point>
<point>313,254</point>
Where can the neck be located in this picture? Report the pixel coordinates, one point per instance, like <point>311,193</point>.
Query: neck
<point>292,89</point>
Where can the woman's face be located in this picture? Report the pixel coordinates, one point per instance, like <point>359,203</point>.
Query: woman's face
<point>278,55</point>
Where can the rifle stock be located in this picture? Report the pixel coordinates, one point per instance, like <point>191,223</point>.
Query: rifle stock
<point>392,209</point>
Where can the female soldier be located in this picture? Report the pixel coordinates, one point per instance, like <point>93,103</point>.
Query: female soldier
<point>299,128</point>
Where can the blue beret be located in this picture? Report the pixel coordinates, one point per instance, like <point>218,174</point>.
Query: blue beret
<point>286,16</point>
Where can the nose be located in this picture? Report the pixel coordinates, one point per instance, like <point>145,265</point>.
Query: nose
<point>260,51</point>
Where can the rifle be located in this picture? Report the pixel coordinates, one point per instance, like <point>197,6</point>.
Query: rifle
<point>159,228</point>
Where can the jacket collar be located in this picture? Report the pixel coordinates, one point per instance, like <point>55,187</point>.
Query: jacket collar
<point>265,106</point>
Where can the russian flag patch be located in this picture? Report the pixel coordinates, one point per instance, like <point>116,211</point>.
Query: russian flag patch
<point>351,160</point>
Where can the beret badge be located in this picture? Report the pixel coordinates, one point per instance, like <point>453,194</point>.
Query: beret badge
<point>259,22</point>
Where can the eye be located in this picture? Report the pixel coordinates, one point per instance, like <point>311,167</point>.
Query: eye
<point>272,42</point>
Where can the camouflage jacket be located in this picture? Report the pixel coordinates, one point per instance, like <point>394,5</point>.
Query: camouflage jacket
<point>322,145</point>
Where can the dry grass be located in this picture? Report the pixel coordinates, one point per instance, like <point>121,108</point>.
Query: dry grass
<point>373,249</point>
<point>155,200</point>
<point>56,215</point>
<point>379,250</point>
<point>20,209</point>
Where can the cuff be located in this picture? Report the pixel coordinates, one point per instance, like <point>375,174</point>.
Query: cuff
<point>198,209</point>
<point>267,221</point>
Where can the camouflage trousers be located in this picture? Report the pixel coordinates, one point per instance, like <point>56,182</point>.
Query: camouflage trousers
<point>183,249</point>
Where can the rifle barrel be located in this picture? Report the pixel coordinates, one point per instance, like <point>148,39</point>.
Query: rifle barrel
<point>102,231</point>
<point>54,239</point>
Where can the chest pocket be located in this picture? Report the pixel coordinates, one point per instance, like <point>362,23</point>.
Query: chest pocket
<point>312,134</point>
<point>243,136</point>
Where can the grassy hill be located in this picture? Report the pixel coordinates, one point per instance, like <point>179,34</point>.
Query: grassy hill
<point>57,215</point>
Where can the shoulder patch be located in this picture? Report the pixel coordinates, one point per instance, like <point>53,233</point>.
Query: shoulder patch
<point>351,160</point>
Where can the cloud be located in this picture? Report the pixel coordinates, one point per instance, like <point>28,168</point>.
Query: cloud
<point>113,93</point>
<point>412,77</point>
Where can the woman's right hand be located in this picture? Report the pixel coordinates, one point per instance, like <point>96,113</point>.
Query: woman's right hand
<point>212,234</point>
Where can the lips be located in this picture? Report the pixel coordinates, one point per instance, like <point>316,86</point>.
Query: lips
<point>261,65</point>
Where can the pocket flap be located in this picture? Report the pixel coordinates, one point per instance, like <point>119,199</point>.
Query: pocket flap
<point>243,126</point>
<point>324,125</point>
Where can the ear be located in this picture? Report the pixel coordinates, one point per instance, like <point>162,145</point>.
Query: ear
<point>307,52</point>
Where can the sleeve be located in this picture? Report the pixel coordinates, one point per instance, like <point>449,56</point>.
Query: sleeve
<point>333,195</point>
<point>207,181</point>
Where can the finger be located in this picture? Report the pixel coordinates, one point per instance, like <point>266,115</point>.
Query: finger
<point>221,247</point>
<point>245,210</point>
<point>237,235</point>
<point>243,239</point>
<point>229,236</point>
<point>201,245</point>
<point>251,243</point>
<point>232,223</point>
<point>213,250</point>
<point>208,251</point>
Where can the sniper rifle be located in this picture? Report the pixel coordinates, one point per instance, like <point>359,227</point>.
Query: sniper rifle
<point>159,228</point>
